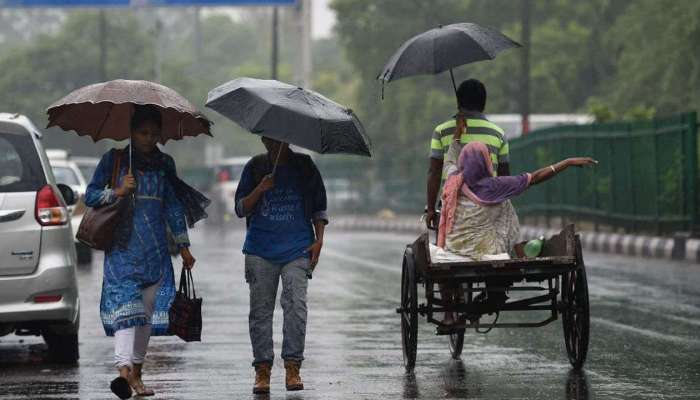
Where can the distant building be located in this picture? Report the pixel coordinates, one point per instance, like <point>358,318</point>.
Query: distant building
<point>511,123</point>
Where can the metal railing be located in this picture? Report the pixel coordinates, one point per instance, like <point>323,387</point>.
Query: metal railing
<point>647,178</point>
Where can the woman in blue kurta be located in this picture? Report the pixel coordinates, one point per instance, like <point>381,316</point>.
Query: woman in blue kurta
<point>138,284</point>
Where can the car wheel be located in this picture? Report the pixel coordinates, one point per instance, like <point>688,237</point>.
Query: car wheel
<point>62,341</point>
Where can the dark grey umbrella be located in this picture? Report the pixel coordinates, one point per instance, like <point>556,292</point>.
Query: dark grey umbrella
<point>290,114</point>
<point>444,48</point>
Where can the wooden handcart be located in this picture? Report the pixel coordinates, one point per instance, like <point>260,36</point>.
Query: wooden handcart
<point>555,282</point>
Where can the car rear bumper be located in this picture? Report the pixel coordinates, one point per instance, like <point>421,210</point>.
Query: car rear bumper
<point>17,296</point>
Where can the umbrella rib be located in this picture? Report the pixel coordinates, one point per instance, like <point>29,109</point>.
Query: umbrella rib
<point>318,118</point>
<point>104,120</point>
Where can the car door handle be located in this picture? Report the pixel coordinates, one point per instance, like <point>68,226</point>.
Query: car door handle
<point>10,215</point>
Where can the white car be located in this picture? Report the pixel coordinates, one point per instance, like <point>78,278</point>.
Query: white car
<point>86,165</point>
<point>38,286</point>
<point>223,191</point>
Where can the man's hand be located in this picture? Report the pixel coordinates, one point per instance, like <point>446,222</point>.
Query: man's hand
<point>315,252</point>
<point>430,219</point>
<point>267,183</point>
<point>459,129</point>
<point>187,259</point>
<point>127,187</point>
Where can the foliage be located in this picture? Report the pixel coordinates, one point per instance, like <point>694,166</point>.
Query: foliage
<point>614,59</point>
<point>658,65</point>
<point>617,59</point>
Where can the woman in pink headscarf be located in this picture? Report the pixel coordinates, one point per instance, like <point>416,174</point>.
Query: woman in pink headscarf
<point>476,218</point>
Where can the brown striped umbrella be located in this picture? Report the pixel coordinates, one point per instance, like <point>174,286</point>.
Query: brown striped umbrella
<point>103,110</point>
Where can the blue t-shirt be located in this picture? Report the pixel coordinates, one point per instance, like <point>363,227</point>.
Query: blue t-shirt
<point>279,231</point>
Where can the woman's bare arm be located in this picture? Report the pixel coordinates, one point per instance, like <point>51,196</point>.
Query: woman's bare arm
<point>548,172</point>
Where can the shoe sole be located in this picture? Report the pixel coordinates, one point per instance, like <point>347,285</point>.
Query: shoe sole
<point>120,387</point>
<point>261,391</point>
<point>295,387</point>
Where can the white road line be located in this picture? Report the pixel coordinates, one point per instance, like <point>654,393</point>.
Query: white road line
<point>646,332</point>
<point>363,262</point>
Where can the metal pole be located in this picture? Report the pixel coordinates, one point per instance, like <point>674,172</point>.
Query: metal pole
<point>275,42</point>
<point>306,24</point>
<point>102,37</point>
<point>525,72</point>
<point>197,38</point>
<point>158,50</point>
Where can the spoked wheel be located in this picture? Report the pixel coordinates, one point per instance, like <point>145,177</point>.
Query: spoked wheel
<point>456,344</point>
<point>409,310</point>
<point>576,316</point>
<point>456,339</point>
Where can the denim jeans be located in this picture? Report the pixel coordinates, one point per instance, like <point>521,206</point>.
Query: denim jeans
<point>263,279</point>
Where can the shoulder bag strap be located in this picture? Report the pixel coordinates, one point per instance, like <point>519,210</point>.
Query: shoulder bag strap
<point>115,168</point>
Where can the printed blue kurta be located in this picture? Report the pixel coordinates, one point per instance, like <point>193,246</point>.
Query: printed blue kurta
<point>145,260</point>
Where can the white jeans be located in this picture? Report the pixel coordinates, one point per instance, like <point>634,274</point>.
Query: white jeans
<point>130,344</point>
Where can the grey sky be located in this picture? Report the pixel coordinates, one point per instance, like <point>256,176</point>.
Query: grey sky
<point>323,18</point>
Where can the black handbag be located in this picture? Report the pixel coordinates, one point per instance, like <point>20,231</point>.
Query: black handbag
<point>96,229</point>
<point>185,314</point>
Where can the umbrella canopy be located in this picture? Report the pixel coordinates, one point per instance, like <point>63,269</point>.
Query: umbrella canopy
<point>290,114</point>
<point>444,48</point>
<point>103,110</point>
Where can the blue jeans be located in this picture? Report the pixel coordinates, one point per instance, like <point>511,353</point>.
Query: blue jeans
<point>263,279</point>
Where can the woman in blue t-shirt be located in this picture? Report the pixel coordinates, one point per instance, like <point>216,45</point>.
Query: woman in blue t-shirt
<point>282,196</point>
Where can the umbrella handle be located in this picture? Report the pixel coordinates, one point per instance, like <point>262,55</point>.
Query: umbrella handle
<point>454,86</point>
<point>130,146</point>
<point>279,152</point>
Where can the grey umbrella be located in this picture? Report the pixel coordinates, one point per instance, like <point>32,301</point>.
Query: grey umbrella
<point>290,114</point>
<point>444,48</point>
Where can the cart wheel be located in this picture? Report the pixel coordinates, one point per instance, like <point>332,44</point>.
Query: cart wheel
<point>409,314</point>
<point>576,316</point>
<point>456,344</point>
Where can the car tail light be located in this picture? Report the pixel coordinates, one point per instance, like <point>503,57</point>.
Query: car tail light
<point>49,208</point>
<point>46,298</point>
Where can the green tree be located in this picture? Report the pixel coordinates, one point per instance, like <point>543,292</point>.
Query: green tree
<point>36,75</point>
<point>569,63</point>
<point>658,62</point>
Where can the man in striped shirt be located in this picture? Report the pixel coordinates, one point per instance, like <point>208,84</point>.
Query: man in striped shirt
<point>471,99</point>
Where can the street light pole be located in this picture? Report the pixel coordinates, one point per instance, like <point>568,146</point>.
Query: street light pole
<point>102,37</point>
<point>525,68</point>
<point>275,42</point>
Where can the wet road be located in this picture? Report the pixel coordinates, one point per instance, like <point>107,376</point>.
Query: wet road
<point>644,337</point>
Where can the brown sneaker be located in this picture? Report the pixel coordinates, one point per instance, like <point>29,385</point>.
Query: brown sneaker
<point>293,379</point>
<point>262,378</point>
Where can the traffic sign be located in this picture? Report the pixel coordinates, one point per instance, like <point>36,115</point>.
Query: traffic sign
<point>141,3</point>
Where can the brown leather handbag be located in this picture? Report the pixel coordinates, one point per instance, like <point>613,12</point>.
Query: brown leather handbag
<point>96,229</point>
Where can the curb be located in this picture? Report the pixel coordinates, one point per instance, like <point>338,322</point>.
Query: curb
<point>679,247</point>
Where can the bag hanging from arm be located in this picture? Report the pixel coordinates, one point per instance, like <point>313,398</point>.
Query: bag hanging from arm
<point>96,229</point>
<point>185,314</point>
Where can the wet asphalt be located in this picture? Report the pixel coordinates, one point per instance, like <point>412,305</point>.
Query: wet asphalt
<point>645,319</point>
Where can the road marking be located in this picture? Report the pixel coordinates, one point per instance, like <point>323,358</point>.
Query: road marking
<point>646,332</point>
<point>362,262</point>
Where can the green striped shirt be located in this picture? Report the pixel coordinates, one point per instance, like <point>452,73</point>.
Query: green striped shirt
<point>479,129</point>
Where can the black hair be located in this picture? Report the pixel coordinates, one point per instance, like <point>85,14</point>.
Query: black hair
<point>471,95</point>
<point>144,113</point>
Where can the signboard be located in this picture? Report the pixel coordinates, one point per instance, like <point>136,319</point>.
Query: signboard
<point>142,3</point>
